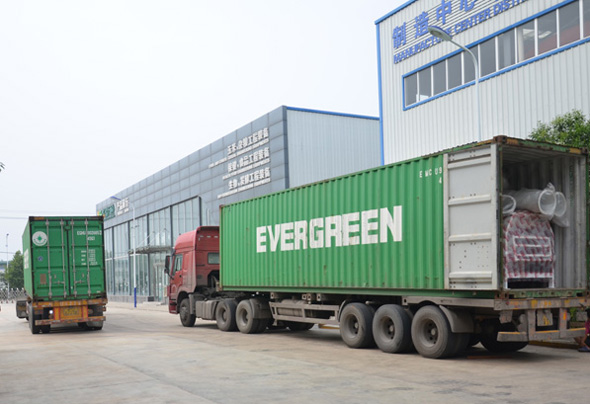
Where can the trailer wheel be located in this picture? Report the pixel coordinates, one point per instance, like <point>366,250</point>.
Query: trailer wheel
<point>35,329</point>
<point>225,315</point>
<point>489,337</point>
<point>245,320</point>
<point>431,333</point>
<point>95,325</point>
<point>461,343</point>
<point>186,318</point>
<point>392,329</point>
<point>356,322</point>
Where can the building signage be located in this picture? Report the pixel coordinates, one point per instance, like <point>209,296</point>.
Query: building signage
<point>108,212</point>
<point>122,206</point>
<point>454,16</point>
<point>247,163</point>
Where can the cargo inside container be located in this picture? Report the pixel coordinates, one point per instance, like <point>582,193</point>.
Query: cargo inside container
<point>533,168</point>
<point>545,255</point>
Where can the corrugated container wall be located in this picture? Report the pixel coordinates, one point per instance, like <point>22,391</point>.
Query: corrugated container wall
<point>327,145</point>
<point>64,258</point>
<point>513,100</point>
<point>326,260</point>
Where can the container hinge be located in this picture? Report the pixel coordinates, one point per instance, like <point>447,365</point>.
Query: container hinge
<point>48,259</point>
<point>63,258</point>
<point>87,259</point>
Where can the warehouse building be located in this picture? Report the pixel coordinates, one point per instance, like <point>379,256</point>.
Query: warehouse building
<point>532,57</point>
<point>284,148</point>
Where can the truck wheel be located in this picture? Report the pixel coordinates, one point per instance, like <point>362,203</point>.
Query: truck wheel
<point>489,338</point>
<point>225,315</point>
<point>35,329</point>
<point>356,325</point>
<point>186,318</point>
<point>245,320</point>
<point>45,329</point>
<point>392,329</point>
<point>431,333</point>
<point>95,325</point>
<point>461,343</point>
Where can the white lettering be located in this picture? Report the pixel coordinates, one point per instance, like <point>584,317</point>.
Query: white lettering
<point>261,239</point>
<point>287,237</point>
<point>368,226</point>
<point>393,223</point>
<point>349,228</point>
<point>274,237</point>
<point>334,231</point>
<point>301,235</point>
<point>316,234</point>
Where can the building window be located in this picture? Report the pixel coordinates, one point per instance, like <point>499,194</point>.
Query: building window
<point>525,35</point>
<point>454,71</point>
<point>487,60</point>
<point>411,88</point>
<point>506,49</point>
<point>547,32</point>
<point>439,74</point>
<point>569,23</point>
<point>424,84</point>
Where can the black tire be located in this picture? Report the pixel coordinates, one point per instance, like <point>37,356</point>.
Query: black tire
<point>296,326</point>
<point>45,329</point>
<point>264,323</point>
<point>225,315</point>
<point>245,320</point>
<point>489,337</point>
<point>186,318</point>
<point>356,325</point>
<point>461,343</point>
<point>35,329</point>
<point>431,333</point>
<point>95,325</point>
<point>392,329</point>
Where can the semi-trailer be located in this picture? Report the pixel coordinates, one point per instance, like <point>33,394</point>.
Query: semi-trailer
<point>64,273</point>
<point>486,242</point>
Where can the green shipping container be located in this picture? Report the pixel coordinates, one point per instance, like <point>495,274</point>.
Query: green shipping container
<point>428,226</point>
<point>64,258</point>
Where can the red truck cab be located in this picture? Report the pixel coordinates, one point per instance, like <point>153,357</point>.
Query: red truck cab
<point>194,266</point>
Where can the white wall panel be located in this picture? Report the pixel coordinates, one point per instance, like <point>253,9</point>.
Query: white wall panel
<point>325,145</point>
<point>512,103</point>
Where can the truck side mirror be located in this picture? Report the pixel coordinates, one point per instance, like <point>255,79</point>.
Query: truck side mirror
<point>167,266</point>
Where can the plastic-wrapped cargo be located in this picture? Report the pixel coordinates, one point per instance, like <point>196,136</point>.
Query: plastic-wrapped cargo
<point>529,251</point>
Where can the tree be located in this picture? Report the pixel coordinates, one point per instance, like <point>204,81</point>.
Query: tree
<point>570,129</point>
<point>14,273</point>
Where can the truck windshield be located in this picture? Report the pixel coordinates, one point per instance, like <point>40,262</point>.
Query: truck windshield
<point>213,258</point>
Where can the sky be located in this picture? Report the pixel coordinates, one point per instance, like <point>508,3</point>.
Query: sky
<point>98,95</point>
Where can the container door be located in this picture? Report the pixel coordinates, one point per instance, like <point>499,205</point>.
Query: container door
<point>86,257</point>
<point>49,260</point>
<point>471,236</point>
<point>67,257</point>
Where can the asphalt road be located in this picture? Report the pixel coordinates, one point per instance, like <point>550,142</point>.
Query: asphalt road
<point>144,355</point>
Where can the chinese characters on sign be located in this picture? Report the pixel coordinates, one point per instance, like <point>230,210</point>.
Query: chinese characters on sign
<point>247,163</point>
<point>454,16</point>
